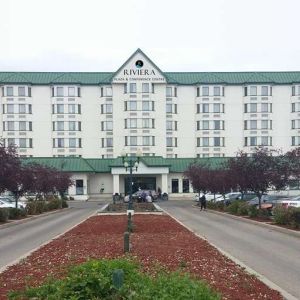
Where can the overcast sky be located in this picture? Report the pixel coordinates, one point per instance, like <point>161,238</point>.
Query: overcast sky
<point>178,35</point>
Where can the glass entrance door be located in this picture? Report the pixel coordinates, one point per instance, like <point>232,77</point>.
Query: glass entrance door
<point>143,183</point>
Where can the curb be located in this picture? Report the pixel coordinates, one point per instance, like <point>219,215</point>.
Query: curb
<point>262,224</point>
<point>251,271</point>
<point>31,217</point>
<point>16,261</point>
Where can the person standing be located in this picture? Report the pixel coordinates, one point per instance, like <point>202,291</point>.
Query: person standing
<point>203,202</point>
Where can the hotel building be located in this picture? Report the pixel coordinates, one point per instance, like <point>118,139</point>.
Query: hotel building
<point>81,121</point>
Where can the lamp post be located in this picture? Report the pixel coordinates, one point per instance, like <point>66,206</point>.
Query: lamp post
<point>131,162</point>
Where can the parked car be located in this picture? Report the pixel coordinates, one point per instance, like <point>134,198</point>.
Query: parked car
<point>208,196</point>
<point>12,202</point>
<point>143,196</point>
<point>291,202</point>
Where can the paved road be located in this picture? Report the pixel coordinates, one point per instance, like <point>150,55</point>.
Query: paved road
<point>273,254</point>
<point>16,241</point>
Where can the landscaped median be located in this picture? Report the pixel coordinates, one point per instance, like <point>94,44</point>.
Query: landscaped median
<point>288,217</point>
<point>156,240</point>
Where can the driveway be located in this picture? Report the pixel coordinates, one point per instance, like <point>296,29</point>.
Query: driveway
<point>18,240</point>
<point>273,254</point>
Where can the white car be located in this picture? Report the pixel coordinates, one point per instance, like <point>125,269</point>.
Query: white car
<point>8,202</point>
<point>292,202</point>
<point>208,196</point>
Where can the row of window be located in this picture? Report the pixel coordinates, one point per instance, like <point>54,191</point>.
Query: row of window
<point>17,126</point>
<point>258,107</point>
<point>64,126</point>
<point>206,108</point>
<point>139,140</point>
<point>66,108</point>
<point>258,141</point>
<point>20,143</point>
<point>257,124</point>
<point>21,91</point>
<point>65,91</point>
<point>210,142</point>
<point>258,90</point>
<point>206,91</point>
<point>139,123</point>
<point>66,143</point>
<point>139,105</point>
<point>17,108</point>
<point>213,125</point>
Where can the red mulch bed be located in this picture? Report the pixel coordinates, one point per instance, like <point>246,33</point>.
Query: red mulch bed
<point>156,238</point>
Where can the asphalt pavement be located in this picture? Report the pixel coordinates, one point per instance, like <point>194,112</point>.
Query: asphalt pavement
<point>17,240</point>
<point>273,254</point>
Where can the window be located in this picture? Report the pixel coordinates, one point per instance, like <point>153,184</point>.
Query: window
<point>146,123</point>
<point>146,141</point>
<point>132,105</point>
<point>10,125</point>
<point>22,126</point>
<point>205,142</point>
<point>22,109</point>
<point>205,91</point>
<point>108,91</point>
<point>106,108</point>
<point>71,91</point>
<point>60,108</point>
<point>253,91</point>
<point>169,108</point>
<point>131,123</point>
<point>132,88</point>
<point>253,124</point>
<point>264,124</point>
<point>9,91</point>
<point>72,125</point>
<point>264,90</point>
<point>217,125</point>
<point>60,143</point>
<point>169,91</point>
<point>109,142</point>
<point>205,125</point>
<point>264,140</point>
<point>253,141</point>
<point>11,142</point>
<point>205,108</point>
<point>72,143</point>
<point>217,141</point>
<point>71,109</point>
<point>106,125</point>
<point>217,107</point>
<point>169,142</point>
<point>59,91</point>
<point>60,126</point>
<point>169,125</point>
<point>264,107</point>
<point>125,88</point>
<point>185,185</point>
<point>145,88</point>
<point>198,92</point>
<point>217,91</point>
<point>22,143</point>
<point>253,107</point>
<point>146,105</point>
<point>132,141</point>
<point>175,186</point>
<point>10,108</point>
<point>21,91</point>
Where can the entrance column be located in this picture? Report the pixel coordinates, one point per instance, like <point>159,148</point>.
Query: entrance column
<point>164,183</point>
<point>116,183</point>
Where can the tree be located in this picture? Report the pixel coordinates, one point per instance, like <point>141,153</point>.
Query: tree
<point>260,172</point>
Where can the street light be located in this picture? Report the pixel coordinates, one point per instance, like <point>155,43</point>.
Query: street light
<point>131,162</point>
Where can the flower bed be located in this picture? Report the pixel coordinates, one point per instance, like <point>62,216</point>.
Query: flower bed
<point>155,239</point>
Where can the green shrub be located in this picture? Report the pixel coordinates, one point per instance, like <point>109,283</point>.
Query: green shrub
<point>36,207</point>
<point>93,280</point>
<point>53,204</point>
<point>295,217</point>
<point>252,211</point>
<point>281,215</point>
<point>234,207</point>
<point>16,213</point>
<point>4,214</point>
<point>243,209</point>
<point>65,203</point>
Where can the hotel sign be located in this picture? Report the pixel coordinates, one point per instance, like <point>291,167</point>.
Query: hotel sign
<point>139,71</point>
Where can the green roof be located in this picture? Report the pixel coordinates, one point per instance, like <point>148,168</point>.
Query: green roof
<point>102,165</point>
<point>67,164</point>
<point>180,78</point>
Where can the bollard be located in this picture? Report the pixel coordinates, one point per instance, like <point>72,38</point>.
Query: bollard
<point>118,278</point>
<point>129,225</point>
<point>126,242</point>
